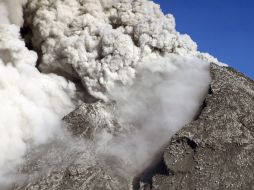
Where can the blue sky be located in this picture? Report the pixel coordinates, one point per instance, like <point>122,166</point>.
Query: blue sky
<point>224,28</point>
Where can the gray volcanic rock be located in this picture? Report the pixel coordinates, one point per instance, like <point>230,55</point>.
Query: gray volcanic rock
<point>77,176</point>
<point>216,151</point>
<point>74,163</point>
<point>90,119</point>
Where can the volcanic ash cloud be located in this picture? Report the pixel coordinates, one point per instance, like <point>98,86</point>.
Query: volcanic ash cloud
<point>102,42</point>
<point>123,51</point>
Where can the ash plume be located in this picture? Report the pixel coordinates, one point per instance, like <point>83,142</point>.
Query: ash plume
<point>126,52</point>
<point>102,42</point>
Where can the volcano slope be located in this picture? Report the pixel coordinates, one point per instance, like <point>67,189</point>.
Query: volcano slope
<point>101,44</point>
<point>213,152</point>
<point>216,150</point>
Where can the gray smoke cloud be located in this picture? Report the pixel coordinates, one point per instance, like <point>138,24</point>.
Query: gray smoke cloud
<point>102,42</point>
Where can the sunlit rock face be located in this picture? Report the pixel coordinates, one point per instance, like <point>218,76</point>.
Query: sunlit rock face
<point>215,151</point>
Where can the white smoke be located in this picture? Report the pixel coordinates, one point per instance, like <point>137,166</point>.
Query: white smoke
<point>11,12</point>
<point>166,94</point>
<point>32,103</point>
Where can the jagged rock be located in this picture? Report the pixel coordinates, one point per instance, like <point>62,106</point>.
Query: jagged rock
<point>76,177</point>
<point>73,163</point>
<point>90,119</point>
<point>216,150</point>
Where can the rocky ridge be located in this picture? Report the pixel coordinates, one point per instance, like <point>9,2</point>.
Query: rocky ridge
<point>216,150</point>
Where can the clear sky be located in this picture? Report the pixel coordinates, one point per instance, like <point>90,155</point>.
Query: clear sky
<point>223,28</point>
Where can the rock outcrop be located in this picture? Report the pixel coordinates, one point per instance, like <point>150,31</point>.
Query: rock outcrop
<point>74,162</point>
<point>216,150</point>
<point>90,119</point>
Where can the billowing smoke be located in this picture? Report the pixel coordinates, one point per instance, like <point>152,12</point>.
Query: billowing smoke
<point>101,42</point>
<point>123,51</point>
<point>165,95</point>
<point>32,103</point>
